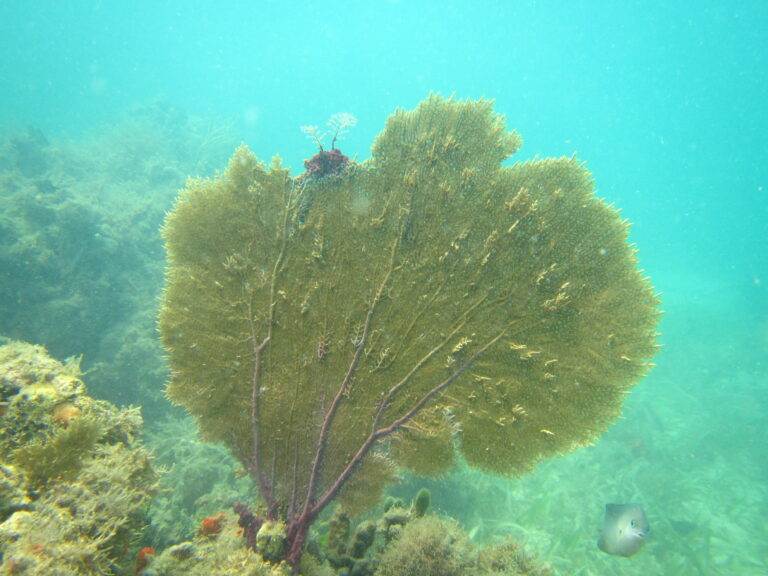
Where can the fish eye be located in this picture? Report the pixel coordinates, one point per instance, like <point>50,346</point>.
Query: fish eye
<point>632,523</point>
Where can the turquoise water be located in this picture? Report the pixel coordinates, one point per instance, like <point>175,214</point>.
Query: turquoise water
<point>665,102</point>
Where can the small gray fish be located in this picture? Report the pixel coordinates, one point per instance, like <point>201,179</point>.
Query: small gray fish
<point>625,528</point>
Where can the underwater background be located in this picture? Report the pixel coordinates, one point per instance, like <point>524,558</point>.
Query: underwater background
<point>106,108</point>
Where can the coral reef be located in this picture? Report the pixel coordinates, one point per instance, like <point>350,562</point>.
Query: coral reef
<point>80,253</point>
<point>199,481</point>
<point>427,296</point>
<point>73,490</point>
<point>399,540</point>
<point>224,554</point>
<point>416,543</point>
<point>428,546</point>
<point>405,540</point>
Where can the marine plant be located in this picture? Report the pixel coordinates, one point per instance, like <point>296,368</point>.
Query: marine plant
<point>330,327</point>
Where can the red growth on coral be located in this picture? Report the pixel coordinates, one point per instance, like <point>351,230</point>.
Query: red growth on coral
<point>143,558</point>
<point>326,163</point>
<point>211,525</point>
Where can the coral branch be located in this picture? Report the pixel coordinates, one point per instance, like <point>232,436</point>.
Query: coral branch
<point>436,390</point>
<point>344,386</point>
<point>394,389</point>
<point>380,433</point>
<point>257,471</point>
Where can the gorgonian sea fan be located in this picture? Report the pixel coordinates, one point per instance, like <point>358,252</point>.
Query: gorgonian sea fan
<point>425,301</point>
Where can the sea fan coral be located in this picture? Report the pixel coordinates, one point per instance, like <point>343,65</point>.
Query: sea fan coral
<point>430,295</point>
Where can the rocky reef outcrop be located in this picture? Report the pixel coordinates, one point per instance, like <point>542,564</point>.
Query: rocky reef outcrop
<point>75,479</point>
